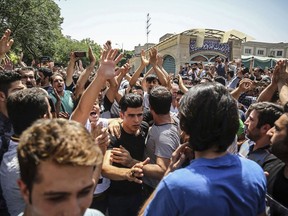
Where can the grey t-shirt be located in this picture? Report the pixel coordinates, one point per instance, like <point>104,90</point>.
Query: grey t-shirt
<point>162,141</point>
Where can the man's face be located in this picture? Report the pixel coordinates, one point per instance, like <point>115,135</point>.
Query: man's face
<point>15,86</point>
<point>60,190</point>
<point>44,80</point>
<point>252,132</point>
<point>174,91</point>
<point>279,139</point>
<point>28,78</point>
<point>95,113</point>
<point>138,92</point>
<point>132,119</point>
<point>58,83</point>
<point>151,84</point>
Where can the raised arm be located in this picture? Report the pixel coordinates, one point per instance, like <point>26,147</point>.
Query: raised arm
<point>5,43</point>
<point>283,81</point>
<point>268,92</point>
<point>181,84</point>
<point>144,63</point>
<point>244,85</point>
<point>80,85</point>
<point>153,61</point>
<point>70,69</point>
<point>106,71</point>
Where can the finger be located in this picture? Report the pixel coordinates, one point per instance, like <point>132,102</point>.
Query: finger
<point>146,161</point>
<point>118,59</point>
<point>180,161</point>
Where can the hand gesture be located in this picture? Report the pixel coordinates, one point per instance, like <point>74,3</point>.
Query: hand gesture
<point>136,172</point>
<point>283,71</point>
<point>108,61</point>
<point>114,128</point>
<point>159,60</point>
<point>182,153</point>
<point>144,61</point>
<point>125,69</point>
<point>64,115</point>
<point>73,58</point>
<point>122,156</point>
<point>101,136</point>
<point>245,85</point>
<point>153,56</point>
<point>107,46</point>
<point>91,55</point>
<point>5,42</point>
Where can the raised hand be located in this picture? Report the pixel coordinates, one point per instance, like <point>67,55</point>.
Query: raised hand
<point>125,69</point>
<point>159,60</point>
<point>5,42</point>
<point>73,58</point>
<point>153,56</point>
<point>108,61</point>
<point>283,71</point>
<point>245,85</point>
<point>91,55</point>
<point>144,61</point>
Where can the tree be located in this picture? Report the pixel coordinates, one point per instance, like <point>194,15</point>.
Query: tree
<point>35,25</point>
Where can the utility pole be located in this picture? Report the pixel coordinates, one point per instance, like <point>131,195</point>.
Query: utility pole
<point>148,24</point>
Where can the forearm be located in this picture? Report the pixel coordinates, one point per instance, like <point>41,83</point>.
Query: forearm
<point>80,85</point>
<point>283,92</point>
<point>69,71</point>
<point>81,113</point>
<point>267,93</point>
<point>154,171</point>
<point>236,93</point>
<point>115,173</point>
<point>136,75</point>
<point>183,87</point>
<point>160,74</point>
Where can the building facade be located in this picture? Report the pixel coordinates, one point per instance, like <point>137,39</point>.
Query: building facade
<point>203,45</point>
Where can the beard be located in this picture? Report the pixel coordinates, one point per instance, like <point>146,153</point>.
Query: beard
<point>254,136</point>
<point>280,149</point>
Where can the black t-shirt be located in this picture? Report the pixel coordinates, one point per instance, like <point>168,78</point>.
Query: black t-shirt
<point>135,145</point>
<point>281,188</point>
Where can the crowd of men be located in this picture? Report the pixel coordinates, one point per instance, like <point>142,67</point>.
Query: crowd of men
<point>211,140</point>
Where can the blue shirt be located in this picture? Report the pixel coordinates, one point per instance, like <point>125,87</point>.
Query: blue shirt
<point>224,186</point>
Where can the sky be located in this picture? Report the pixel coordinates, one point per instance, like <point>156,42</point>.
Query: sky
<point>124,22</point>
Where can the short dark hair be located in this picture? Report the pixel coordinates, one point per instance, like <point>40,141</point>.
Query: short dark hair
<point>160,100</point>
<point>6,79</point>
<point>268,112</point>
<point>46,72</point>
<point>209,115</point>
<point>26,106</point>
<point>231,73</point>
<point>130,100</point>
<point>151,77</point>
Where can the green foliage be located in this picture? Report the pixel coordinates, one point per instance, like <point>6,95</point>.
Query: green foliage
<point>36,30</point>
<point>125,59</point>
<point>35,25</point>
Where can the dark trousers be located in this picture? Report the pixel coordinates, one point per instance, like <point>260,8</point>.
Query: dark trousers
<point>124,205</point>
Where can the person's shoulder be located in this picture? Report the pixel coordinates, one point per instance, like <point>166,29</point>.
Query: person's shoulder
<point>250,164</point>
<point>93,212</point>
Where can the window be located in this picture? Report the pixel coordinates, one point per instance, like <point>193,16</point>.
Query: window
<point>247,51</point>
<point>279,53</point>
<point>260,52</point>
